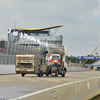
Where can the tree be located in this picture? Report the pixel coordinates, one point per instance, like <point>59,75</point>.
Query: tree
<point>73,59</point>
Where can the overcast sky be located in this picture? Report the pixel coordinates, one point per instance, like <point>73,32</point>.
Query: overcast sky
<point>80,20</point>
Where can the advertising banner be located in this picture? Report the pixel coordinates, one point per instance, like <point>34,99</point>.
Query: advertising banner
<point>88,57</point>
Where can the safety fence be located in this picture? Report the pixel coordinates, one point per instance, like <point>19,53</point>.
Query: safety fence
<point>81,90</point>
<point>7,59</point>
<point>9,50</point>
<point>15,48</point>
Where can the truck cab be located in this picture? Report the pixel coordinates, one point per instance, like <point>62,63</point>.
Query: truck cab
<point>56,61</point>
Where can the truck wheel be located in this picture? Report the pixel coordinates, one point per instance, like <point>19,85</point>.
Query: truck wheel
<point>40,74</point>
<point>63,73</point>
<point>47,74</point>
<point>23,75</point>
<point>56,74</point>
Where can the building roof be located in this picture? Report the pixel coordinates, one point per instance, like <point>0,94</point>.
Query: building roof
<point>96,63</point>
<point>40,28</point>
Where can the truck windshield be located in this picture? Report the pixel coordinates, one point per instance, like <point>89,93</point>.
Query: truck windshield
<point>55,57</point>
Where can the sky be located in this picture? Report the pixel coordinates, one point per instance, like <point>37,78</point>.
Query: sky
<point>80,20</point>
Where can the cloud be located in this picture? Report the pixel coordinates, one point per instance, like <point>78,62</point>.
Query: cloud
<point>96,11</point>
<point>80,20</point>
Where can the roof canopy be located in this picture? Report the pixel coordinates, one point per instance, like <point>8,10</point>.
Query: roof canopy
<point>40,28</point>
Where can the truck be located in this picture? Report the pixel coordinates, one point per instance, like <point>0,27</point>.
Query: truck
<point>52,62</point>
<point>55,59</point>
<point>31,64</point>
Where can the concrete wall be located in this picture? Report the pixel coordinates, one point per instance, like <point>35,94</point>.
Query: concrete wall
<point>81,90</point>
<point>7,69</point>
<point>76,69</point>
<point>10,69</point>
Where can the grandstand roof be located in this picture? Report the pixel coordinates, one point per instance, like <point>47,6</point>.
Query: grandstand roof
<point>40,28</point>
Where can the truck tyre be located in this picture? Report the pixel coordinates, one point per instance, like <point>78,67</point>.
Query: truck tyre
<point>47,74</point>
<point>56,74</point>
<point>23,75</point>
<point>40,74</point>
<point>63,73</point>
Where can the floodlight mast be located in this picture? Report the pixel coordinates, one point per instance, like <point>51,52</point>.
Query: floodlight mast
<point>89,55</point>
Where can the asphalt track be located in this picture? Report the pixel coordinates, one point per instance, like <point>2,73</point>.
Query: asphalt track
<point>12,86</point>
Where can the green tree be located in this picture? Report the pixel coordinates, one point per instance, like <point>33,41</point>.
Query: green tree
<point>73,59</point>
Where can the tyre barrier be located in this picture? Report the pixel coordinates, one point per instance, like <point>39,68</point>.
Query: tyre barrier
<point>80,90</point>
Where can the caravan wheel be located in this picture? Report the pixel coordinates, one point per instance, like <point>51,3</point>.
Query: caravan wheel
<point>23,75</point>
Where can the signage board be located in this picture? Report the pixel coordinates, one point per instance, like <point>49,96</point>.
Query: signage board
<point>88,57</point>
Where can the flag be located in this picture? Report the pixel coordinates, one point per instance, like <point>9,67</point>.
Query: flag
<point>28,37</point>
<point>9,30</point>
<point>21,35</point>
<point>2,28</point>
<point>14,32</point>
<point>25,35</point>
<point>47,44</point>
<point>70,61</point>
<point>66,48</point>
<point>33,39</point>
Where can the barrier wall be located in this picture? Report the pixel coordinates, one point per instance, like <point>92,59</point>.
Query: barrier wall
<point>7,69</point>
<point>10,69</point>
<point>76,69</point>
<point>81,90</point>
